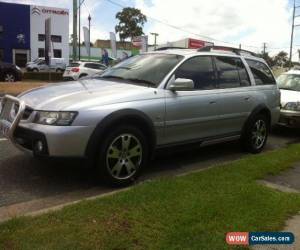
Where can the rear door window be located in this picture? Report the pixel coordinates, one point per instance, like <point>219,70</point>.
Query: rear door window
<point>231,72</point>
<point>262,74</point>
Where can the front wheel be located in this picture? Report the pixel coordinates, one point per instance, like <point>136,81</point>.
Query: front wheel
<point>123,154</point>
<point>256,134</point>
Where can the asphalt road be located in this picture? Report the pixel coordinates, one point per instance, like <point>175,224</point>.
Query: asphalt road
<point>24,179</point>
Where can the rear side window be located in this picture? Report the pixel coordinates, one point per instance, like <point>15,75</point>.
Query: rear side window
<point>90,65</point>
<point>231,72</point>
<point>199,69</point>
<point>74,65</point>
<point>262,74</point>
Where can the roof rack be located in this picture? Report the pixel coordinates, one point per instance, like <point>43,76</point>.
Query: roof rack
<point>230,49</point>
<point>166,48</point>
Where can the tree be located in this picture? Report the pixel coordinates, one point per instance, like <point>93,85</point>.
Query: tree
<point>267,58</point>
<point>131,22</point>
<point>281,59</point>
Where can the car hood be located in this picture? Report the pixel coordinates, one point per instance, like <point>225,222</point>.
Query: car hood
<point>289,96</point>
<point>82,94</point>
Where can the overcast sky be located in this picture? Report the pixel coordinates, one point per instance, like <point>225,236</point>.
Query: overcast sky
<point>249,22</point>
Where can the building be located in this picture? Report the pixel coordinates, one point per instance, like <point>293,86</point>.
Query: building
<point>188,43</point>
<point>22,32</point>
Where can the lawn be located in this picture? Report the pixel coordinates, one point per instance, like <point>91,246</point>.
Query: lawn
<point>19,87</point>
<point>187,212</point>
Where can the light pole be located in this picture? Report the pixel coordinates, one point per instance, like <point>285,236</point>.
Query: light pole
<point>79,26</point>
<point>89,18</point>
<point>155,35</point>
<point>74,30</point>
<point>292,34</point>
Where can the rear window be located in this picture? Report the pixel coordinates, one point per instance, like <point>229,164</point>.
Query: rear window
<point>262,74</point>
<point>74,65</point>
<point>231,72</point>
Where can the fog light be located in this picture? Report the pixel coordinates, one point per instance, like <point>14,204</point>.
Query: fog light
<point>39,146</point>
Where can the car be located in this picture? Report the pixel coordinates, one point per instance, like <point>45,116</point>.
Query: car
<point>289,85</point>
<point>10,72</point>
<point>78,70</point>
<point>39,65</point>
<point>119,119</point>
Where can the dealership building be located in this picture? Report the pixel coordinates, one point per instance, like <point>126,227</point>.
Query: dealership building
<point>22,32</point>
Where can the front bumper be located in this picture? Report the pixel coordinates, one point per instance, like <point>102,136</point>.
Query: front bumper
<point>289,118</point>
<point>37,139</point>
<point>58,141</point>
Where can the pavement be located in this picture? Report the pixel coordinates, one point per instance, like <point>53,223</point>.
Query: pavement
<point>28,185</point>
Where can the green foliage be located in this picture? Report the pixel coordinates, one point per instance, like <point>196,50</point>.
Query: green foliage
<point>131,22</point>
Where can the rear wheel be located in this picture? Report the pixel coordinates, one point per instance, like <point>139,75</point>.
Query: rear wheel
<point>59,71</point>
<point>123,154</point>
<point>9,77</point>
<point>256,134</point>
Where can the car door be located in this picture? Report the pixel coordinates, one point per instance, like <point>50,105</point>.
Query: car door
<point>235,94</point>
<point>191,115</point>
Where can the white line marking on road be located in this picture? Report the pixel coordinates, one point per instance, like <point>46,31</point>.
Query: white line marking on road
<point>3,139</point>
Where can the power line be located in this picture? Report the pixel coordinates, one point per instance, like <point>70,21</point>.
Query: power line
<point>192,33</point>
<point>176,27</point>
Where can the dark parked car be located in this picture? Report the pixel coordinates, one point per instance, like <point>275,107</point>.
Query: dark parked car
<point>10,72</point>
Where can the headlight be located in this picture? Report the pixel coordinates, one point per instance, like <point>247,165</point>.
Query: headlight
<point>18,68</point>
<point>63,118</point>
<point>294,106</point>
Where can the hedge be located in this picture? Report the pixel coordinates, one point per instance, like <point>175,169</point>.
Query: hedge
<point>43,76</point>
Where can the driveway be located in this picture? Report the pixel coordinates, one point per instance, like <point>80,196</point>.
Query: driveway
<point>35,184</point>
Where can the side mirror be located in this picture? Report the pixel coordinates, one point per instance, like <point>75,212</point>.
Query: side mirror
<point>182,84</point>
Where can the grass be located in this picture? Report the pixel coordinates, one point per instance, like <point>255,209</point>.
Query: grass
<point>188,212</point>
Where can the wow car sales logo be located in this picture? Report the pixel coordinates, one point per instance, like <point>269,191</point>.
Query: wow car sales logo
<point>260,238</point>
<point>37,11</point>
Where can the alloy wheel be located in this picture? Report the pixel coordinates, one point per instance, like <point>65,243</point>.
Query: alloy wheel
<point>9,77</point>
<point>259,133</point>
<point>124,156</point>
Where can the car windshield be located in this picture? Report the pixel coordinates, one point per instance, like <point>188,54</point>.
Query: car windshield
<point>289,82</point>
<point>149,69</point>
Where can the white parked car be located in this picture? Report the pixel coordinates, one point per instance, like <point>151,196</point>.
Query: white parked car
<point>289,84</point>
<point>78,70</point>
<point>39,65</point>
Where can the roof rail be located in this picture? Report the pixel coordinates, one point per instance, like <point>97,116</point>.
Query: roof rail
<point>166,48</point>
<point>230,49</point>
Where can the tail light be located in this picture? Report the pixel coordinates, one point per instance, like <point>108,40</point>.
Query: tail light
<point>75,70</point>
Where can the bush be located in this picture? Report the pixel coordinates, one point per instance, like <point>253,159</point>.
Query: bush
<point>43,76</point>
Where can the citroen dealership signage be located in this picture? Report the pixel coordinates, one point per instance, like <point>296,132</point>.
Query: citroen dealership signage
<point>36,10</point>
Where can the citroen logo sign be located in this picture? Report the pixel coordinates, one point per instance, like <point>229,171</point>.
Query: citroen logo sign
<point>36,10</point>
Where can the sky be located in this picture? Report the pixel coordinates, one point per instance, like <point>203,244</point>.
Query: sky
<point>247,22</point>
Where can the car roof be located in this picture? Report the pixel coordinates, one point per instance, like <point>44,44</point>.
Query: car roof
<point>292,72</point>
<point>194,52</point>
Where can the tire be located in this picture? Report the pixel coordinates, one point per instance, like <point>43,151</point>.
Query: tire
<point>9,77</point>
<point>59,71</point>
<point>122,156</point>
<point>35,70</point>
<point>256,134</point>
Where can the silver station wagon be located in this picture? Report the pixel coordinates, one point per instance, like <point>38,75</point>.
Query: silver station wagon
<point>159,99</point>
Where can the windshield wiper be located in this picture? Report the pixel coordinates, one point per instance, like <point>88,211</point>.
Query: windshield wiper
<point>137,80</point>
<point>286,88</point>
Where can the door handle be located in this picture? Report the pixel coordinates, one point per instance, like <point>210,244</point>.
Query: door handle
<point>212,102</point>
<point>247,98</point>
